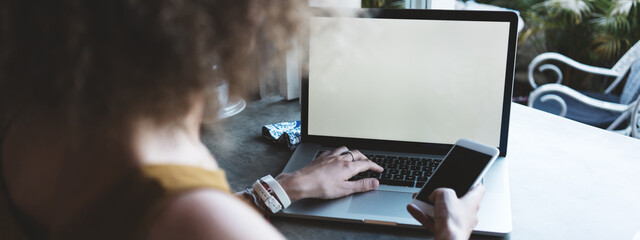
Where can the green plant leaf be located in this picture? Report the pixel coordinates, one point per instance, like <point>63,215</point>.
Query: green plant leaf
<point>574,9</point>
<point>611,22</point>
<point>624,7</point>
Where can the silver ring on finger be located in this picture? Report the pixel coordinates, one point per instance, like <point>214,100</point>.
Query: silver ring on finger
<point>353,158</point>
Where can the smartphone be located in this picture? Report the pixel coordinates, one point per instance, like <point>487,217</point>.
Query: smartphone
<point>462,168</point>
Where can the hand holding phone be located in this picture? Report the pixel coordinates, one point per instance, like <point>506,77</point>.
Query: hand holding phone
<point>453,217</point>
<point>462,168</point>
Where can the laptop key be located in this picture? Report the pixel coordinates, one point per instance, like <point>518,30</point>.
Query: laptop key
<point>425,162</point>
<point>413,162</point>
<point>398,177</point>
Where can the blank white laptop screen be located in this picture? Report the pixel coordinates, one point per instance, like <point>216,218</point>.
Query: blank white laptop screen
<point>430,81</point>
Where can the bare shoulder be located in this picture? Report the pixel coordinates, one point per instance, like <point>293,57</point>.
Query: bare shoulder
<point>210,214</point>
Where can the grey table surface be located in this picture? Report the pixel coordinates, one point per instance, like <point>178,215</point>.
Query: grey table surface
<point>567,180</point>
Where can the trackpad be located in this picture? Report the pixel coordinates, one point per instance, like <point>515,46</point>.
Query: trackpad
<point>381,203</point>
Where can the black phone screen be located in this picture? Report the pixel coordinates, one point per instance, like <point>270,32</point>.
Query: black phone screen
<point>458,171</point>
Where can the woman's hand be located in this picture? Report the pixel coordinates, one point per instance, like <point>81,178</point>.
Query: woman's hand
<point>453,218</point>
<point>327,176</point>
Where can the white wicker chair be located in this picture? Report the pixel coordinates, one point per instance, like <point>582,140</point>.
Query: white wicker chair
<point>626,108</point>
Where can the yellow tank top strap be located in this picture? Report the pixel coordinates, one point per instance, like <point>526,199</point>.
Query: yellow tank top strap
<point>179,178</point>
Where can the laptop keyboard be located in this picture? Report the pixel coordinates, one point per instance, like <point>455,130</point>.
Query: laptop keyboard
<point>400,171</point>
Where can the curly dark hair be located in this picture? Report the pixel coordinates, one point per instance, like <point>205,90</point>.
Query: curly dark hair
<point>117,59</point>
<point>96,67</point>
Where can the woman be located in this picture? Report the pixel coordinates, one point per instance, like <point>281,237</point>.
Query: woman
<point>101,109</point>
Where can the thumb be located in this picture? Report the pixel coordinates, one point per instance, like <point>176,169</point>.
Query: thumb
<point>442,195</point>
<point>423,218</point>
<point>362,185</point>
<point>474,196</point>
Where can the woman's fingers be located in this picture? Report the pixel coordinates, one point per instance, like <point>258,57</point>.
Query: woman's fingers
<point>474,196</point>
<point>352,156</point>
<point>324,154</point>
<point>423,218</point>
<point>339,151</point>
<point>335,168</point>
<point>361,185</point>
<point>342,151</point>
<point>442,195</point>
<point>358,155</point>
<point>365,165</point>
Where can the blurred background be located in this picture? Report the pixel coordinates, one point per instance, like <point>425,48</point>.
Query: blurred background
<point>592,32</point>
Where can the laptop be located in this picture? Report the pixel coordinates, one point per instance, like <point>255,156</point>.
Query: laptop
<point>402,86</point>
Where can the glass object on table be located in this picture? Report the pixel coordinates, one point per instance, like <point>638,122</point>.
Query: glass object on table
<point>226,105</point>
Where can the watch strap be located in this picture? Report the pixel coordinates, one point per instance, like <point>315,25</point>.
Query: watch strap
<point>270,201</point>
<point>278,190</point>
